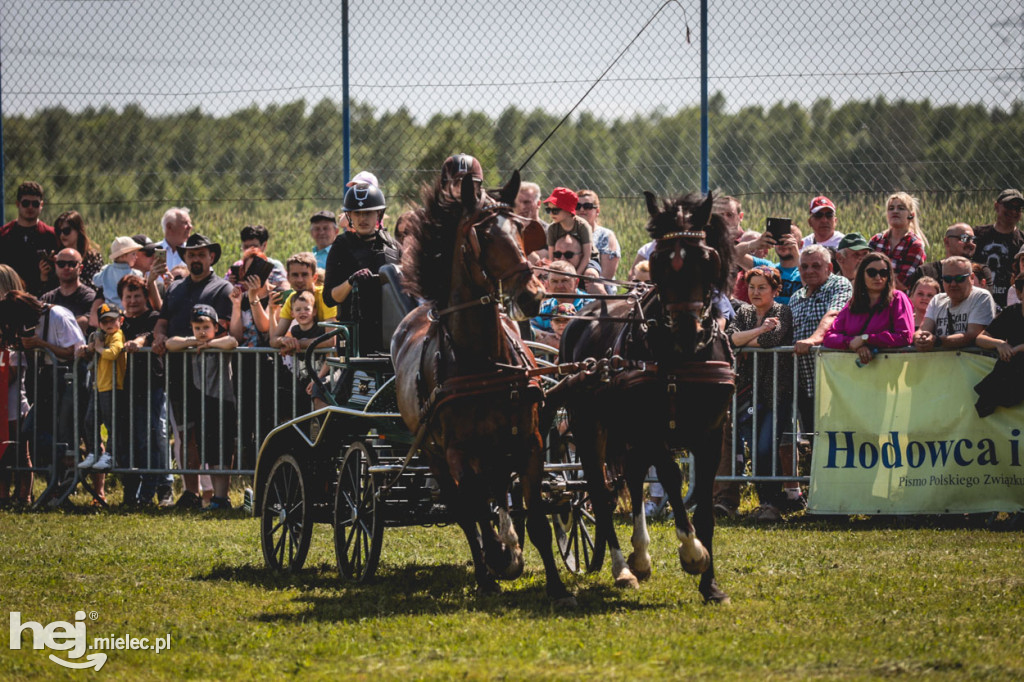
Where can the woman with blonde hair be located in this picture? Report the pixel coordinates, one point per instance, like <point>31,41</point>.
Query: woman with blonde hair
<point>904,242</point>
<point>10,280</point>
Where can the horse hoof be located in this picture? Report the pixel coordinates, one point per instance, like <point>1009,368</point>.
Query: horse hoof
<point>715,596</point>
<point>488,590</point>
<point>627,581</point>
<point>697,567</point>
<point>641,574</point>
<point>513,570</point>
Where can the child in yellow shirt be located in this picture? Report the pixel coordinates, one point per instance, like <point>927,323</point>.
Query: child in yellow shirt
<point>107,344</point>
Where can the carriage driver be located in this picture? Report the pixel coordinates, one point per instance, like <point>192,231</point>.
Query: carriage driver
<point>355,257</point>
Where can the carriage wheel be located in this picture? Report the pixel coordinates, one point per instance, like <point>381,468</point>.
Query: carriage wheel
<point>286,524</point>
<point>576,535</point>
<point>575,527</point>
<point>358,526</point>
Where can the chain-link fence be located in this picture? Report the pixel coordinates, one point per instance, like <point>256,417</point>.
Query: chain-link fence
<point>124,105</point>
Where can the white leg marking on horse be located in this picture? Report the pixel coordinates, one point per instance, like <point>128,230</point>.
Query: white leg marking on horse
<point>693,557</point>
<point>640,559</point>
<point>620,571</point>
<point>506,529</point>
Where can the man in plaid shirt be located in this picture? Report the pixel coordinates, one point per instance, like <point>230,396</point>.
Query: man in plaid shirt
<point>814,307</point>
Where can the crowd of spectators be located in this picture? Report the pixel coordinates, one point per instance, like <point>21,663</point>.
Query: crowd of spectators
<point>829,288</point>
<point>165,298</point>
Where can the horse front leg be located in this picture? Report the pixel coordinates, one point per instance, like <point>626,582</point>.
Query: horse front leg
<point>706,461</point>
<point>463,500</point>
<point>694,557</point>
<point>639,560</point>
<point>538,527</point>
<point>592,449</point>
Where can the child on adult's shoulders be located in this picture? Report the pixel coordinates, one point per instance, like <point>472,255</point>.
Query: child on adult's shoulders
<point>123,252</point>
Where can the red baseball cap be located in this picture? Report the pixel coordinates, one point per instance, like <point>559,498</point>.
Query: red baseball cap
<point>563,198</point>
<point>821,203</point>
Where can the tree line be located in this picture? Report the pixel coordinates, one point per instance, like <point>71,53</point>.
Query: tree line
<point>121,159</point>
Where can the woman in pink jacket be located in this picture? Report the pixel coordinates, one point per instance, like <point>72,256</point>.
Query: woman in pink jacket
<point>878,316</point>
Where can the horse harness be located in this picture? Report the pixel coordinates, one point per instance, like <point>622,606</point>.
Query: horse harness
<point>617,372</point>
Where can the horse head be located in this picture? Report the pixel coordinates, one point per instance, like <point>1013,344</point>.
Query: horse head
<point>490,245</point>
<point>689,265</point>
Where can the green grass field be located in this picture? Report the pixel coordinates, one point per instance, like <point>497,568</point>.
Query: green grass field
<point>858,600</point>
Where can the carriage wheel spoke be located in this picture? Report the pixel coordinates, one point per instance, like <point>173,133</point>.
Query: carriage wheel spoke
<point>279,547</point>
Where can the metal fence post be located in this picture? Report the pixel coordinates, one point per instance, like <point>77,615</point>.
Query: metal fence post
<point>704,150</point>
<point>345,111</point>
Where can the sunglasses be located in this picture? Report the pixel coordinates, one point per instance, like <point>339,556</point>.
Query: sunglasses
<point>825,214</point>
<point>586,207</point>
<point>563,254</point>
<point>877,272</point>
<point>67,264</point>
<point>965,238</point>
<point>551,210</point>
<point>25,203</point>
<point>66,230</point>
<point>959,279</point>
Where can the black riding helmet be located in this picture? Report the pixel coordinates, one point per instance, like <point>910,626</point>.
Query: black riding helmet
<point>364,197</point>
<point>461,164</point>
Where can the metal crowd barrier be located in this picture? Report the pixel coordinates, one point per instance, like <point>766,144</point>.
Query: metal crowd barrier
<point>266,393</point>
<point>751,453</point>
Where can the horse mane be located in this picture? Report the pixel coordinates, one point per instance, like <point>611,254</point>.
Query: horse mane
<point>716,234</point>
<point>429,243</point>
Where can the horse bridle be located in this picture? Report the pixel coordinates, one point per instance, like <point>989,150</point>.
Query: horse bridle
<point>475,269</point>
<point>698,311</point>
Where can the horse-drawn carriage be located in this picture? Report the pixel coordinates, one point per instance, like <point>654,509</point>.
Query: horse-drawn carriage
<point>349,465</point>
<point>455,425</point>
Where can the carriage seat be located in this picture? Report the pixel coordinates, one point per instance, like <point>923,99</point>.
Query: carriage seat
<point>395,303</point>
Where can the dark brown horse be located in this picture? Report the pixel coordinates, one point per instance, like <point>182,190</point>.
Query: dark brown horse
<point>672,390</point>
<point>461,372</point>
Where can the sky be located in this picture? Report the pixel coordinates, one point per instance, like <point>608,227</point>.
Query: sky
<point>433,58</point>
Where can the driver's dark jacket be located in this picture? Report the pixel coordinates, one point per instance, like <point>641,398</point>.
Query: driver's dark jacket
<point>349,254</point>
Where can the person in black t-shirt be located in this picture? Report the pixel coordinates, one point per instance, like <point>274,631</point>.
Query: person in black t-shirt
<point>200,286</point>
<point>28,244</point>
<point>998,243</point>
<point>356,256</point>
<point>71,293</point>
<point>1004,386</point>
